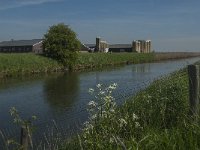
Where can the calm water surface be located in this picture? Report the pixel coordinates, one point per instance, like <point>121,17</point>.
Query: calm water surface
<point>64,96</point>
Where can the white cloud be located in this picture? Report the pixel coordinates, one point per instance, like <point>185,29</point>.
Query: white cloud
<point>4,5</point>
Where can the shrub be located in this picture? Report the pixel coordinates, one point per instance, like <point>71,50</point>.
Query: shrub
<point>61,43</point>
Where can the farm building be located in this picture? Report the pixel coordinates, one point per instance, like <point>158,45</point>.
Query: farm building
<point>88,47</point>
<point>139,46</point>
<point>101,46</point>
<point>142,46</point>
<point>120,48</point>
<point>21,46</point>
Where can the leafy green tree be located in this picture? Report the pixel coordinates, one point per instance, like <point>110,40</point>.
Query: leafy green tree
<point>61,43</point>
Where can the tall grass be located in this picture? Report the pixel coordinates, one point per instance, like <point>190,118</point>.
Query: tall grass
<point>91,60</point>
<point>20,64</point>
<point>12,64</point>
<point>156,118</point>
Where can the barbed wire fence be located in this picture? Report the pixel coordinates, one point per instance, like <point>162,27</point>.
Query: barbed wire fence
<point>50,133</point>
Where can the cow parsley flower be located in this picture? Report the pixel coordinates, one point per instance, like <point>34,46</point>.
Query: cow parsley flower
<point>99,85</point>
<point>122,122</point>
<point>137,125</point>
<point>135,117</point>
<point>92,104</point>
<point>91,90</point>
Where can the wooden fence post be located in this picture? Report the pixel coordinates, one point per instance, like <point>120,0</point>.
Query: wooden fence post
<point>193,72</point>
<point>24,138</point>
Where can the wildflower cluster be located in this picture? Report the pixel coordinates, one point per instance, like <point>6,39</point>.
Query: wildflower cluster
<point>103,105</point>
<point>106,120</point>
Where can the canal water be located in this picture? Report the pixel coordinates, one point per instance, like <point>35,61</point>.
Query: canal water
<point>63,97</point>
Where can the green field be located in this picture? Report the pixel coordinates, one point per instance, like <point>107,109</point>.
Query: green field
<point>156,118</point>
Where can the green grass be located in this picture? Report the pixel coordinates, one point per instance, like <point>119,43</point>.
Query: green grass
<point>15,64</point>
<point>20,64</point>
<point>156,118</point>
<point>90,60</point>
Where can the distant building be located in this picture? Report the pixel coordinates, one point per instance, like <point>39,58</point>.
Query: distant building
<point>22,46</point>
<point>142,46</point>
<point>139,46</point>
<point>120,48</point>
<point>101,46</point>
<point>87,47</point>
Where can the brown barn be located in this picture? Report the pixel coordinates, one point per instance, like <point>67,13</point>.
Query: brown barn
<point>22,46</point>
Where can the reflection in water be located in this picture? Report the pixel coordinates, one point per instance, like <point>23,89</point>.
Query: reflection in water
<point>141,68</point>
<point>18,81</point>
<point>62,91</point>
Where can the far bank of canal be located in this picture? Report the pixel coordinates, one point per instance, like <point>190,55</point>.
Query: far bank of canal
<point>64,97</point>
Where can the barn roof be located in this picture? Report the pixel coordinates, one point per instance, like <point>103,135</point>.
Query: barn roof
<point>120,46</point>
<point>20,42</point>
<point>90,45</point>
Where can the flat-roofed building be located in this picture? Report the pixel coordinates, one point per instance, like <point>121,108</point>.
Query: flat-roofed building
<point>120,48</point>
<point>22,46</point>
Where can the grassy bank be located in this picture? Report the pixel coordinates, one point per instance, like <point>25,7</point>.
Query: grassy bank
<point>174,55</point>
<point>96,60</point>
<point>20,64</point>
<point>156,118</point>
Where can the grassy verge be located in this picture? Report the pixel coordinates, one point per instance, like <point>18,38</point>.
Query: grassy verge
<point>96,60</point>
<point>15,64</point>
<point>20,64</point>
<point>156,118</point>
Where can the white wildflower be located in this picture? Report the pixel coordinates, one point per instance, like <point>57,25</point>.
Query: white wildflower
<point>91,90</point>
<point>108,99</point>
<point>122,122</point>
<point>88,126</point>
<point>93,116</point>
<point>102,92</point>
<point>135,117</point>
<point>112,110</point>
<point>99,85</point>
<point>113,86</point>
<point>137,125</point>
<point>92,104</point>
<point>112,140</point>
<point>104,114</point>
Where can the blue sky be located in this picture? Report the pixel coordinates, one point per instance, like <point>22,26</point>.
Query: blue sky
<point>172,25</point>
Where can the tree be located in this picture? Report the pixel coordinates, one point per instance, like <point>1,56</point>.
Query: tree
<point>61,43</point>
